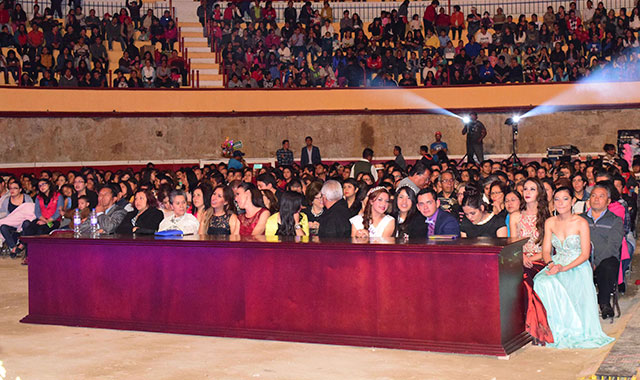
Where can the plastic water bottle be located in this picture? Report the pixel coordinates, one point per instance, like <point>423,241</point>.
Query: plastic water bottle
<point>76,223</point>
<point>94,223</point>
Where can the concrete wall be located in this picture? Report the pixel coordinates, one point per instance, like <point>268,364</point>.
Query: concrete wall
<point>119,138</point>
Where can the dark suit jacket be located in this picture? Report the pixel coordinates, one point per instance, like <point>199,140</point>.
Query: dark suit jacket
<point>334,221</point>
<point>446,224</point>
<point>315,156</point>
<point>147,222</point>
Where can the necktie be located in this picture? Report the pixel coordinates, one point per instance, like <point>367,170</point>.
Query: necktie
<point>432,226</point>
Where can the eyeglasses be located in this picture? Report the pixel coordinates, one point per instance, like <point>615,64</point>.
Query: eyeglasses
<point>448,181</point>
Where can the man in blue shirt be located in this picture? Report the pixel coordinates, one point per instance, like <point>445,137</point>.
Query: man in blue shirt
<point>472,48</point>
<point>236,161</point>
<point>438,145</point>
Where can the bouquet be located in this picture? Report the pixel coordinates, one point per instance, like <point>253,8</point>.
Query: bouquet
<point>229,146</point>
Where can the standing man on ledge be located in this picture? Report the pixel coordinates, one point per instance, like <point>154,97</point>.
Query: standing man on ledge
<point>284,155</point>
<point>310,154</point>
<point>475,132</point>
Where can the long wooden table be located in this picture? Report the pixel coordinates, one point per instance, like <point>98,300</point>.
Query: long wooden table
<point>462,296</point>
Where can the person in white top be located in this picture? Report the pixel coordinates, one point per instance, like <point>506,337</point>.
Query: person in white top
<point>374,220</point>
<point>179,220</point>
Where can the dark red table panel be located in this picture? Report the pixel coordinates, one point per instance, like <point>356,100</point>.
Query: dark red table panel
<point>461,296</point>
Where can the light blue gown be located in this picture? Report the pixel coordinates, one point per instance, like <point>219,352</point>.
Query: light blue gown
<point>570,299</point>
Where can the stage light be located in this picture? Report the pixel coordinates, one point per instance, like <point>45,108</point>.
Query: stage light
<point>466,119</point>
<point>513,121</point>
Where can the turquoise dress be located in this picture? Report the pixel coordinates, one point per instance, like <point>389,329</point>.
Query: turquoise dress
<point>570,299</point>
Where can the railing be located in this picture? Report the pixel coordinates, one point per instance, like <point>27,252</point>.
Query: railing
<point>369,10</point>
<point>101,7</point>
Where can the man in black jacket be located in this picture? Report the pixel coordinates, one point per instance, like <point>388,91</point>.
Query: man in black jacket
<point>334,221</point>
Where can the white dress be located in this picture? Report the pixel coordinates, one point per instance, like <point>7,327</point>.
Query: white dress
<point>373,231</point>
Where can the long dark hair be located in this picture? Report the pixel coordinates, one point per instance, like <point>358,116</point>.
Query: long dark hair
<point>543,207</point>
<point>473,197</point>
<point>290,203</point>
<point>206,195</point>
<point>227,194</point>
<point>46,197</point>
<point>256,195</point>
<point>192,180</point>
<point>401,228</point>
<point>273,201</point>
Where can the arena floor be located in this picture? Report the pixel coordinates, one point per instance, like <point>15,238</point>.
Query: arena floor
<point>42,352</point>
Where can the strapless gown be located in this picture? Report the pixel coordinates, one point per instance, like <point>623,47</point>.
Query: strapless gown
<point>570,299</point>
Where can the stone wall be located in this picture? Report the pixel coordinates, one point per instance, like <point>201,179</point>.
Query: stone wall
<point>108,139</point>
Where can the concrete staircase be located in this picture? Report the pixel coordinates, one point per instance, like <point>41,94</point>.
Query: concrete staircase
<point>198,50</point>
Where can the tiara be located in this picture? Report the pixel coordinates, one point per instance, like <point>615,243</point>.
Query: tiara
<point>376,189</point>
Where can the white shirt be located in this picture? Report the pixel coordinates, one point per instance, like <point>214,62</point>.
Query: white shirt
<point>485,38</point>
<point>588,14</point>
<point>377,231</point>
<point>187,223</point>
<point>309,154</point>
<point>324,30</point>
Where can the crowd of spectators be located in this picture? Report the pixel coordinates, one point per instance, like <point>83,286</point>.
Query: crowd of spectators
<point>394,199</point>
<point>73,52</point>
<point>317,48</point>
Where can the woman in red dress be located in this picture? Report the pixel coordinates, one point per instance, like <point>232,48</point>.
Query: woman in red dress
<point>254,218</point>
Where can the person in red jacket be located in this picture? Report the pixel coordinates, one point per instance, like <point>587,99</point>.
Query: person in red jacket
<point>429,16</point>
<point>443,21</point>
<point>269,16</point>
<point>573,22</point>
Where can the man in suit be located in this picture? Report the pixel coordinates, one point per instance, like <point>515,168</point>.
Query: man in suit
<point>334,221</point>
<point>440,222</point>
<point>310,154</point>
<point>110,215</point>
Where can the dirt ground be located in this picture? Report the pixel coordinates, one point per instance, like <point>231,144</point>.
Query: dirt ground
<point>39,352</point>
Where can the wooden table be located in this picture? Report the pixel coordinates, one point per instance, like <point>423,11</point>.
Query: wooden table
<point>462,296</point>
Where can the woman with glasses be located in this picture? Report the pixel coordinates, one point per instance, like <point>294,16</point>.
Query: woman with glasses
<point>496,194</point>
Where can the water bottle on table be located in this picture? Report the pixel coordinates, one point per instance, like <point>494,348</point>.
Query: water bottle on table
<point>77,220</point>
<point>93,219</point>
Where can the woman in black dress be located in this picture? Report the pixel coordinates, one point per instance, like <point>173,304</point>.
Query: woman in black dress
<point>478,221</point>
<point>146,217</point>
<point>221,218</point>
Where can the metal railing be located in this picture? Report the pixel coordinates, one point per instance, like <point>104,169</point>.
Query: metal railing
<point>101,7</point>
<point>370,10</point>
